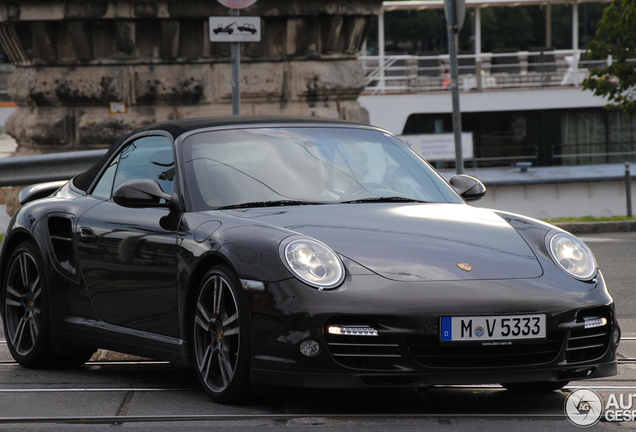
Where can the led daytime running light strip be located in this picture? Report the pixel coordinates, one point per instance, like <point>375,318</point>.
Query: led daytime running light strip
<point>352,331</point>
<point>595,322</point>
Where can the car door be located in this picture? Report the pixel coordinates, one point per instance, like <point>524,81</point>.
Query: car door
<point>128,255</point>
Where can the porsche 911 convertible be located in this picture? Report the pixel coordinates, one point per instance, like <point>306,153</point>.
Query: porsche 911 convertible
<point>277,251</point>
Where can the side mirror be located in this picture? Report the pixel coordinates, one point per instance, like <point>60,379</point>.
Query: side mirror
<point>468,187</point>
<point>143,193</point>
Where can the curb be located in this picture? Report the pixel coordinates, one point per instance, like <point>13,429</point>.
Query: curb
<point>597,227</point>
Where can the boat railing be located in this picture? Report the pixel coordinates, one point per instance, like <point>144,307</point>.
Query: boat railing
<point>395,74</point>
<point>561,154</point>
<point>595,153</point>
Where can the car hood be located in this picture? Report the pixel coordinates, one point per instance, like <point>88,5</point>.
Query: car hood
<point>412,242</point>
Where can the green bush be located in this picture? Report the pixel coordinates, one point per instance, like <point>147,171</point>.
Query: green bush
<point>592,219</point>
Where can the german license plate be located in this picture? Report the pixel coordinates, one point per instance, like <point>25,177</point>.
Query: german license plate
<point>485,328</point>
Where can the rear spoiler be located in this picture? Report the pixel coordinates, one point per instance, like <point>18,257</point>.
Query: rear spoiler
<point>41,190</point>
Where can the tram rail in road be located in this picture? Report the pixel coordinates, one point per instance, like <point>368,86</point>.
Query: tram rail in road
<point>161,396</point>
<point>309,414</point>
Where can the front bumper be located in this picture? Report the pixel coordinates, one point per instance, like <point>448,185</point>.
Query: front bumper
<point>407,352</point>
<point>355,379</point>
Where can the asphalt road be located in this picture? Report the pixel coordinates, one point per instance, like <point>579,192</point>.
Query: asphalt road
<point>152,396</point>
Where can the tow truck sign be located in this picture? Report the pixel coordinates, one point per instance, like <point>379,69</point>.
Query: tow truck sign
<point>235,29</point>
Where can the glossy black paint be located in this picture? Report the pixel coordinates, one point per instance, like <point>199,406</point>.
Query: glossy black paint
<point>470,188</point>
<point>413,242</point>
<point>129,279</point>
<point>38,191</point>
<point>128,266</point>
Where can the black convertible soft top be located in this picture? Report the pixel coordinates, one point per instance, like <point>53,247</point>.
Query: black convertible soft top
<point>179,127</point>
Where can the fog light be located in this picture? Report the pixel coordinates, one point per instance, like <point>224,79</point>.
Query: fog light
<point>616,337</point>
<point>310,348</point>
<point>352,331</point>
<point>595,322</point>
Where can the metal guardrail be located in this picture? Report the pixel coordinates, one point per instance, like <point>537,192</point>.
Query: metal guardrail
<point>26,170</point>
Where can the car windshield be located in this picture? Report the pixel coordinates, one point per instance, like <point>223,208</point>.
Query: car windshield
<point>303,165</point>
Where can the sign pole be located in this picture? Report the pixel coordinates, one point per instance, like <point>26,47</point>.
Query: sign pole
<point>236,72</point>
<point>235,30</point>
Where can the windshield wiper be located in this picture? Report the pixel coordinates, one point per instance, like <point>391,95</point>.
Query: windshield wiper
<point>268,204</point>
<point>384,199</point>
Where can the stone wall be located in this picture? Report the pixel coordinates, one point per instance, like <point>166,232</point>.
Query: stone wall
<point>74,58</point>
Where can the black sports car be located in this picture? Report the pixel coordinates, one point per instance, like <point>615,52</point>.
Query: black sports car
<point>298,252</point>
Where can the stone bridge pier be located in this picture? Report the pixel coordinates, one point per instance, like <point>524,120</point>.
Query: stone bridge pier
<point>74,58</point>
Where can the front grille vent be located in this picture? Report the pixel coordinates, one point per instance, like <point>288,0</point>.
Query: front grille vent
<point>429,352</point>
<point>588,344</point>
<point>364,352</point>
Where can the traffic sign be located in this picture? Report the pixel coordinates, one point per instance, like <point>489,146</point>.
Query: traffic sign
<point>237,4</point>
<point>235,29</point>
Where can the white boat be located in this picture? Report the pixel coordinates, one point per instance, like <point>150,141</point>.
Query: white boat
<point>518,107</point>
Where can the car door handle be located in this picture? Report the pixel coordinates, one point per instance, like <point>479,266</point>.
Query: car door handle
<point>87,235</point>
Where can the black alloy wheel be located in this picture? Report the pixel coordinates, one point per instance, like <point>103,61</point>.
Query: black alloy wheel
<point>25,308</point>
<point>221,337</point>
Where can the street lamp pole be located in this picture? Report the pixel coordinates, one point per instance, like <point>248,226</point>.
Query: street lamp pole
<point>236,72</point>
<point>455,11</point>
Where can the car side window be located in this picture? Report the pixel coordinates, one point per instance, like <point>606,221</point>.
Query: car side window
<point>105,184</point>
<point>146,158</point>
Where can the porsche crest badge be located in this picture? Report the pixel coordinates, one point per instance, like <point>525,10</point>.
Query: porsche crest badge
<point>464,266</point>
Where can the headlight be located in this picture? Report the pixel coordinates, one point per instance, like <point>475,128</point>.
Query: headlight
<point>313,262</point>
<point>572,255</point>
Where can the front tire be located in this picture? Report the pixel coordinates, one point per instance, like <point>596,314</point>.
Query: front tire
<point>25,308</point>
<point>26,313</point>
<point>221,337</point>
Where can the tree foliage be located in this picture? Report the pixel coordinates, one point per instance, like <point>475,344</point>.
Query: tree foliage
<point>424,30</point>
<point>520,27</point>
<point>616,37</point>
<point>507,27</point>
